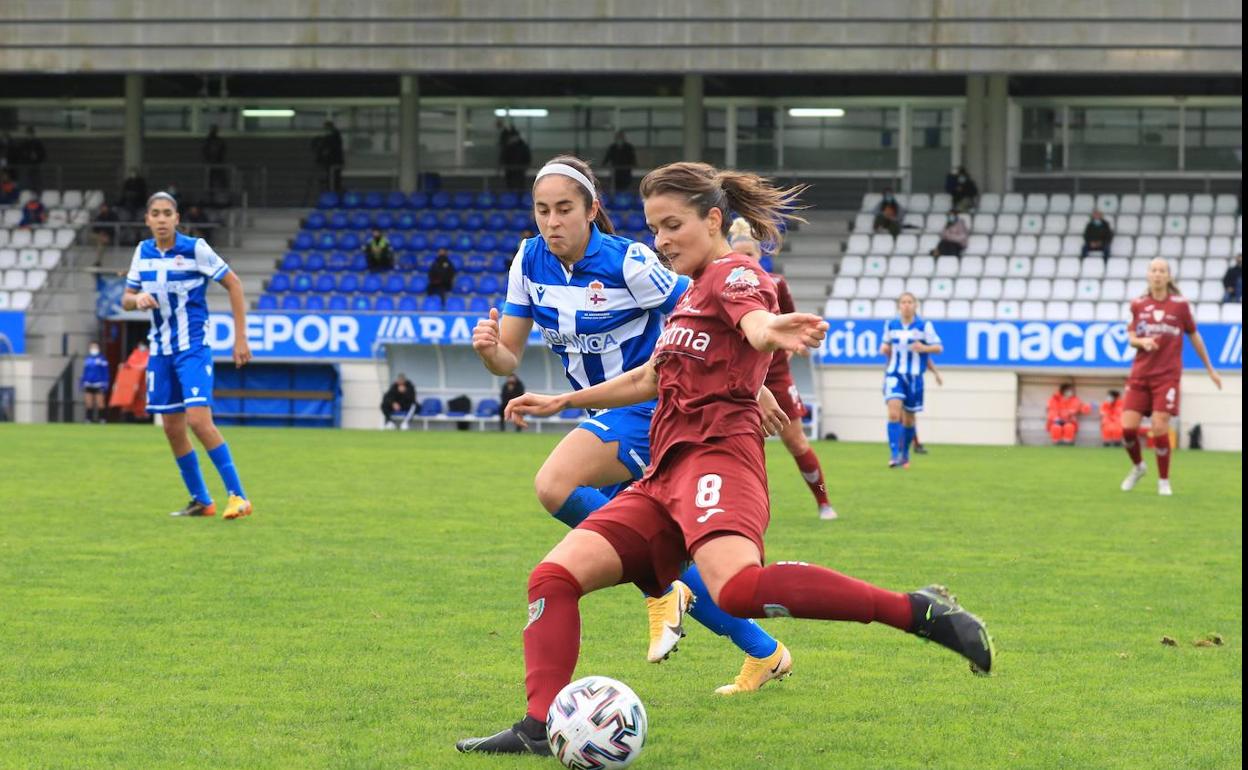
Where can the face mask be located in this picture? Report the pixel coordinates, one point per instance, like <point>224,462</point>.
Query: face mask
<point>962,179</point>
<point>93,350</point>
<point>1096,220</point>
<point>951,220</point>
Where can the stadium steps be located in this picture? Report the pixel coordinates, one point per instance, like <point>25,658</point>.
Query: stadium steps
<point>810,257</point>
<point>262,241</point>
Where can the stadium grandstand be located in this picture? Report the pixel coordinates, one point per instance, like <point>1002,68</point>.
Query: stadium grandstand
<point>290,142</point>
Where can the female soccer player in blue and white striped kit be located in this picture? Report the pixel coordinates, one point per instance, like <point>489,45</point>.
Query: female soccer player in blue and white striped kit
<point>908,341</point>
<point>599,301</point>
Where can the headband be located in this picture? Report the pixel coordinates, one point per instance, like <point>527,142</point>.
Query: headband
<point>564,169</point>
<point>162,196</point>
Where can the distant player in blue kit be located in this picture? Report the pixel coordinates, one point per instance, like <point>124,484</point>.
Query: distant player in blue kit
<point>599,301</point>
<point>907,342</point>
<point>95,383</point>
<point>169,276</point>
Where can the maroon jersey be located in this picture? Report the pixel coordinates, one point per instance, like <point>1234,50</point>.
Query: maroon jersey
<point>1165,322</point>
<point>780,359</point>
<point>709,375</point>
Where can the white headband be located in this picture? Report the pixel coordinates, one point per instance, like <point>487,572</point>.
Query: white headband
<point>564,169</point>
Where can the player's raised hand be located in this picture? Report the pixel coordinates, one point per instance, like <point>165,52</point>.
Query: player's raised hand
<point>534,404</point>
<point>485,334</point>
<point>797,332</point>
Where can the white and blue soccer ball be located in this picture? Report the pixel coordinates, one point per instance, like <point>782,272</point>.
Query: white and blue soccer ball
<point>596,722</point>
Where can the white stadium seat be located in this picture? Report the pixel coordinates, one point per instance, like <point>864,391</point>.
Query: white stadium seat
<point>1208,313</point>
<point>990,203</point>
<point>1014,289</point>
<point>898,266</point>
<point>845,288</point>
<point>859,245</point>
<point>28,259</point>
<point>1082,311</point>
<point>983,310</point>
<point>92,199</point>
<point>995,267</point>
<point>1226,203</point>
<point>919,287</point>
<point>863,223</point>
<point>1068,267</point>
<point>1049,246</point>
<point>1129,224</point>
<point>875,266</point>
<point>1123,245</point>
<point>1092,267</point>
<point>924,266</point>
<point>941,202</point>
<point>72,199</point>
<point>35,279</point>
<point>1178,203</point>
<point>1031,311</point>
<point>947,267</point>
<point>1043,267</point>
<point>1084,203</point>
<point>1146,247</point>
<point>8,258</point>
<point>1202,204</point>
<point>1175,225</point>
<point>1055,224</point>
<point>1059,203</point>
<point>977,245</point>
<point>1008,310</point>
<point>49,259</point>
<point>1211,291</point>
<point>1001,244</point>
<point>1154,203</point>
<point>987,223</point>
<point>1114,290</point>
<point>965,288</point>
<point>1136,287</point>
<point>1220,247</point>
<point>1200,225</point>
<point>860,308</point>
<point>1057,310</point>
<point>891,288</point>
<point>4,300</point>
<point>1063,289</point>
<point>1039,289</point>
<point>884,308</point>
<point>20,239</point>
<point>958,308</point>
<point>990,288</point>
<point>57,218</point>
<point>80,217</point>
<point>1232,313</point>
<point>1018,267</point>
<point>941,288</point>
<point>1215,268</point>
<point>1031,224</point>
<point>971,267</point>
<point>51,199</point>
<point>1224,225</point>
<point>4,236</point>
<point>928,242</point>
<point>907,244</point>
<point>10,217</point>
<point>835,308</point>
<point>43,238</point>
<point>1117,267</point>
<point>912,221</point>
<point>1130,204</point>
<point>14,279</point>
<point>868,288</point>
<point>1072,246</point>
<point>1108,311</point>
<point>870,201</point>
<point>1151,224</point>
<point>1170,247</point>
<point>881,243</point>
<point>1026,245</point>
<point>1012,203</point>
<point>1196,246</point>
<point>20,300</point>
<point>1189,289</point>
<point>1036,203</point>
<point>1007,224</point>
<point>934,223</point>
<point>935,309</point>
<point>851,267</point>
<point>919,203</point>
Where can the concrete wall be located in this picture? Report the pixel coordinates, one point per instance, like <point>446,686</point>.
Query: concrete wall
<point>979,406</point>
<point>362,390</point>
<point>622,36</point>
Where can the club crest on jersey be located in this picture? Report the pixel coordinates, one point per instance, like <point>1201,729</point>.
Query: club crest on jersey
<point>194,391</point>
<point>595,294</point>
<point>741,275</point>
<point>1158,315</point>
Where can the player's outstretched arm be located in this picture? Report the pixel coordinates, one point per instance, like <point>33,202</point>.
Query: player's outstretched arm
<point>1198,343</point>
<point>499,341</point>
<point>631,387</point>
<point>794,332</point>
<point>238,308</point>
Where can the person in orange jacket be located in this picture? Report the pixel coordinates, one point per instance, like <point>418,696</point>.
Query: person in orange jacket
<point>1111,420</point>
<point>130,389</point>
<point>1064,410</point>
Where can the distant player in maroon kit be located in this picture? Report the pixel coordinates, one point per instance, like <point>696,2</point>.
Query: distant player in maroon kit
<point>780,379</point>
<point>1159,319</point>
<point>704,495</point>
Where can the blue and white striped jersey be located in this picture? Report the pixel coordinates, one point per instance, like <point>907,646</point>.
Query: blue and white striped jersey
<point>900,337</point>
<point>602,317</point>
<point>178,280</point>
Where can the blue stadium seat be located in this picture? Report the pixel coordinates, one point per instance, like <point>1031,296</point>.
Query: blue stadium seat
<point>462,200</point>
<point>359,262</point>
<point>361,303</point>
<point>315,262</point>
<point>498,264</point>
<point>418,284</point>
<point>304,240</point>
<point>622,201</point>
<point>267,302</point>
<point>373,200</point>
<point>424,261</point>
<point>291,262</point>
<point>485,200</point>
<point>464,284</point>
<point>351,200</point>
<point>408,304</point>
<point>418,200</point>
<point>279,283</point>
<point>522,220</point>
<point>315,221</point>
<point>406,222</point>
<point>338,221</point>
<point>371,283</point>
<point>430,407</point>
<point>349,283</point>
<point>479,304</point>
<point>406,261</point>
<point>488,284</point>
<point>440,241</point>
<point>458,261</point>
<point>338,262</point>
<point>396,200</point>
<point>431,304</point>
<point>455,304</point>
<point>486,242</point>
<point>398,241</point>
<point>462,242</point>
<point>360,220</point>
<point>509,243</point>
<point>449,220</point>
<point>327,200</point>
<point>383,220</point>
<point>496,222</point>
<point>487,407</point>
<point>474,220</point>
<point>292,302</point>
<point>440,200</point>
<point>302,283</point>
<point>428,221</point>
<point>348,241</point>
<point>526,201</point>
<point>324,284</point>
<point>393,284</point>
<point>508,200</point>
<point>326,241</point>
<point>315,302</point>
<point>417,241</point>
<point>635,221</point>
<point>338,303</point>
<point>384,304</point>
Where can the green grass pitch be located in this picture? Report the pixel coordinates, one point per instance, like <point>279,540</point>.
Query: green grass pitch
<point>369,613</point>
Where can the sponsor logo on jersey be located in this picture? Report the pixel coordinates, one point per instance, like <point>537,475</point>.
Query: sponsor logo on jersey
<point>678,336</point>
<point>584,343</point>
<point>742,276</point>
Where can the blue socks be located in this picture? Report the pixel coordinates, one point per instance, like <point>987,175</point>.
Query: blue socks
<point>188,465</point>
<point>895,432</point>
<point>907,441</point>
<point>743,632</point>
<point>582,502</point>
<point>225,466</point>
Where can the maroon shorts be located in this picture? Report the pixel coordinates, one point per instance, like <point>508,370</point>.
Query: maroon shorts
<point>1152,394</point>
<point>782,387</point>
<point>696,493</point>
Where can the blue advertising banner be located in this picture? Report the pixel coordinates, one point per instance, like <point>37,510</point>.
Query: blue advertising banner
<point>1026,344</point>
<point>12,332</point>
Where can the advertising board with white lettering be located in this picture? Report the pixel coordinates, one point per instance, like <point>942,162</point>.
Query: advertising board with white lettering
<point>1025,344</point>
<point>12,332</point>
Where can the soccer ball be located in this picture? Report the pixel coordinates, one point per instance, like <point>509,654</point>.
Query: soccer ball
<point>596,722</point>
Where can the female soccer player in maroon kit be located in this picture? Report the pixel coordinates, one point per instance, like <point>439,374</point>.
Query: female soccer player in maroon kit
<point>704,495</point>
<point>780,380</point>
<point>1159,319</point>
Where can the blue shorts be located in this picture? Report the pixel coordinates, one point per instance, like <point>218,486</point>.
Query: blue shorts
<point>180,380</point>
<point>906,388</point>
<point>630,426</point>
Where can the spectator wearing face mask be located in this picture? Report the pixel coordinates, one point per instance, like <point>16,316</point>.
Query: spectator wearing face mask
<point>887,221</point>
<point>95,384</point>
<point>953,238</point>
<point>1098,235</point>
<point>962,189</point>
<point>1063,412</point>
<point>888,198</point>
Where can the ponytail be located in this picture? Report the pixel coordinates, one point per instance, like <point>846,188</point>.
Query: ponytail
<point>602,219</point>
